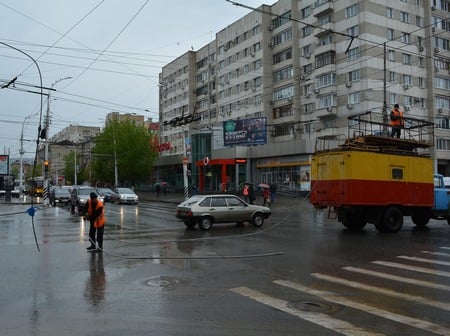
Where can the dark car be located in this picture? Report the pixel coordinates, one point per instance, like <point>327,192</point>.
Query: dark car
<point>79,197</point>
<point>59,196</point>
<point>106,193</point>
<point>222,208</point>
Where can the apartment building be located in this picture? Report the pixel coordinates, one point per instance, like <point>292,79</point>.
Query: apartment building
<point>301,67</point>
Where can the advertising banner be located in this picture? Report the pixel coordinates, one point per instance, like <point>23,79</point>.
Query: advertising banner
<point>4,164</point>
<point>245,132</point>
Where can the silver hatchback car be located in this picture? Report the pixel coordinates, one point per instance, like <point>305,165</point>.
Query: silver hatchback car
<point>222,208</point>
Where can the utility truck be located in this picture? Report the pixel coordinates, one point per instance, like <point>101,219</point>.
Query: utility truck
<point>367,176</point>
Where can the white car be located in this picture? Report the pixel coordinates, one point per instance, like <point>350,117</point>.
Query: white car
<point>124,196</point>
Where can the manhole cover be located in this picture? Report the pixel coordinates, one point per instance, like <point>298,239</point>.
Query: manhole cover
<point>312,306</point>
<point>162,281</point>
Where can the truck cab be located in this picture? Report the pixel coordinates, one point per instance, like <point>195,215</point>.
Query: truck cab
<point>441,196</point>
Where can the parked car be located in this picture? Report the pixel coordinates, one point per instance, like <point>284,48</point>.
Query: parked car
<point>125,196</point>
<point>222,208</point>
<point>79,197</point>
<point>59,196</point>
<point>106,193</point>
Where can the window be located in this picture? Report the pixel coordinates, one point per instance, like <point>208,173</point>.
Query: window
<point>406,38</point>
<point>307,89</point>
<point>392,98</point>
<point>351,10</point>
<point>326,101</point>
<point>308,108</point>
<point>390,13</point>
<point>324,19</point>
<point>306,11</point>
<point>407,79</point>
<point>390,34</point>
<point>353,31</point>
<point>325,40</point>
<point>354,98</point>
<point>257,64</point>
<point>419,21</point>
<point>283,74</point>
<point>354,75</point>
<point>442,83</point>
<point>307,69</point>
<point>353,54</point>
<point>326,58</point>
<point>281,20</point>
<point>282,56</point>
<point>391,55</point>
<point>306,31</point>
<point>421,62</point>
<point>283,93</point>
<point>397,173</point>
<point>307,50</point>
<point>392,76</point>
<point>404,17</point>
<point>282,37</point>
<point>406,58</point>
<point>326,80</point>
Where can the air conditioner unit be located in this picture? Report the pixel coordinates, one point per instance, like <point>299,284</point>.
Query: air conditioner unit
<point>316,91</point>
<point>348,84</point>
<point>407,108</point>
<point>433,29</point>
<point>433,8</point>
<point>406,86</point>
<point>252,53</point>
<point>270,28</point>
<point>421,49</point>
<point>437,50</point>
<point>329,109</point>
<point>271,45</point>
<point>307,55</point>
<point>349,106</point>
<point>307,95</point>
<point>440,110</point>
<point>302,77</point>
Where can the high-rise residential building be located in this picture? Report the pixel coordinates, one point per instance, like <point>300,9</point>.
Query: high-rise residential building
<point>299,68</point>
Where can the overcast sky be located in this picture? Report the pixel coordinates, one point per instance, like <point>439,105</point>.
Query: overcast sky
<point>113,50</point>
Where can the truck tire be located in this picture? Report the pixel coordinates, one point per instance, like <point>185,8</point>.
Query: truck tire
<point>353,219</point>
<point>392,220</point>
<point>420,219</point>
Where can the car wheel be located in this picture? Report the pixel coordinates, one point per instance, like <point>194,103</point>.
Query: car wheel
<point>205,223</point>
<point>258,219</point>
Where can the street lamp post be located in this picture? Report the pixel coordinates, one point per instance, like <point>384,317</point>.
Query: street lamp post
<point>22,151</point>
<point>46,128</point>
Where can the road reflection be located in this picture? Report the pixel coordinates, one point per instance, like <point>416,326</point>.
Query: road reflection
<point>96,283</point>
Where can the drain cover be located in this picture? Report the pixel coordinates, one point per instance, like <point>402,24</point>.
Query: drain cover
<point>162,281</point>
<point>312,306</point>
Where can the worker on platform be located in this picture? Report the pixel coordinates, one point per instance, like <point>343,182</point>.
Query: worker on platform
<point>397,121</point>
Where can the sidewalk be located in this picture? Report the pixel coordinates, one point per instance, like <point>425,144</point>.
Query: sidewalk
<point>178,197</point>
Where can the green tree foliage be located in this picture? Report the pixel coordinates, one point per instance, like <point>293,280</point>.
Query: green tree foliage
<point>131,144</point>
<point>69,169</point>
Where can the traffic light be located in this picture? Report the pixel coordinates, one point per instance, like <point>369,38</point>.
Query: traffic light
<point>46,166</point>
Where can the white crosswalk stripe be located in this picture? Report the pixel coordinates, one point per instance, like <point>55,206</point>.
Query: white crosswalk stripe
<point>348,328</point>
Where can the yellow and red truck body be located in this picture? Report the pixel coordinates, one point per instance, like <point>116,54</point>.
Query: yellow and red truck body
<point>345,177</point>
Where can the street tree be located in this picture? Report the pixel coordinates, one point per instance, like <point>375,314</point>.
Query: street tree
<point>125,148</point>
<point>69,168</point>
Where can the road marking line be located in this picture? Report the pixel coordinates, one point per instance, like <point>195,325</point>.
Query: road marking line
<point>397,278</point>
<point>413,268</point>
<point>328,296</point>
<point>430,261</point>
<point>320,319</point>
<point>445,247</point>
<point>441,254</point>
<point>380,290</point>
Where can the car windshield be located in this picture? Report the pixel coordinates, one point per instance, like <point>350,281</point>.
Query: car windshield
<point>62,192</point>
<point>85,191</point>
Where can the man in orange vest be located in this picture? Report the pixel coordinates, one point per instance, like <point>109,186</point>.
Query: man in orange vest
<point>95,212</point>
<point>397,121</point>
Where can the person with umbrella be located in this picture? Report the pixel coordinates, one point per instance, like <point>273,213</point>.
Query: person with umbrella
<point>158,189</point>
<point>266,196</point>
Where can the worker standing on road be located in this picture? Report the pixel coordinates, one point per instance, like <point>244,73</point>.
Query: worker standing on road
<point>95,213</point>
<point>397,121</point>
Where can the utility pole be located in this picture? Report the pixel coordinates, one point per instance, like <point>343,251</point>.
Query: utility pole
<point>46,200</point>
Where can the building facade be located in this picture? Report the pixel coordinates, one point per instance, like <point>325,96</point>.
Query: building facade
<point>302,67</point>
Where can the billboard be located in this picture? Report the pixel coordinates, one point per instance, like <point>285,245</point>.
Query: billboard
<point>245,132</point>
<point>4,164</point>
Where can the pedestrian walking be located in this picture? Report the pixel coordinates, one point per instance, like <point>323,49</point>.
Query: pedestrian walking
<point>95,212</point>
<point>266,196</point>
<point>272,190</point>
<point>251,194</point>
<point>245,192</point>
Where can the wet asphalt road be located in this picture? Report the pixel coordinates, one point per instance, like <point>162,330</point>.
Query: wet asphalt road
<point>157,278</point>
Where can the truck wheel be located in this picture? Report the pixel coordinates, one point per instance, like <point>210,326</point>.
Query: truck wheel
<point>354,219</point>
<point>420,219</point>
<point>392,219</point>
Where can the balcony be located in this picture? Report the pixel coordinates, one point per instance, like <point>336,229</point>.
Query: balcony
<point>323,7</point>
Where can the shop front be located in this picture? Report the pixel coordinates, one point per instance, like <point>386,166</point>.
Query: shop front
<point>220,175</point>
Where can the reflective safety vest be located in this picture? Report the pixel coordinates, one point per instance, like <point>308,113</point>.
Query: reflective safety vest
<point>100,220</point>
<point>396,118</point>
